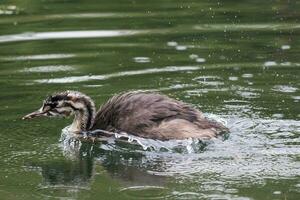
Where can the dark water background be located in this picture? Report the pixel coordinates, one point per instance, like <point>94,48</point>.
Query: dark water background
<point>236,60</point>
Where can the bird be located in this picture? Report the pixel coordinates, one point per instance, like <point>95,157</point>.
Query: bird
<point>145,114</point>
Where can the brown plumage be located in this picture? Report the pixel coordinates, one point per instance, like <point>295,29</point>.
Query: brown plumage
<point>144,114</point>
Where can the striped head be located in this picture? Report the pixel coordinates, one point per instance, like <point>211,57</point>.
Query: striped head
<point>67,103</point>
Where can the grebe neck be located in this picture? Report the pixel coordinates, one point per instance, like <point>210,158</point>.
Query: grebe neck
<point>84,111</point>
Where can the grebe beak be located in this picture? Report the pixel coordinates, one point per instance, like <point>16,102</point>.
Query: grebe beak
<point>43,111</point>
<point>34,114</point>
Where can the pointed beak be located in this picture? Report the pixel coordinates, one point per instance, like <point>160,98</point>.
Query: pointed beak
<point>34,114</point>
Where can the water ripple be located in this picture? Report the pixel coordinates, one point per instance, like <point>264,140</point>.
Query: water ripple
<point>284,88</point>
<point>246,27</point>
<point>48,68</point>
<point>66,35</point>
<point>73,79</point>
<point>38,57</point>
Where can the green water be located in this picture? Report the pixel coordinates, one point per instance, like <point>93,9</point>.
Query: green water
<point>235,60</point>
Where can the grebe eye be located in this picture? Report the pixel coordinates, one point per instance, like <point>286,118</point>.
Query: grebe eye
<point>51,104</point>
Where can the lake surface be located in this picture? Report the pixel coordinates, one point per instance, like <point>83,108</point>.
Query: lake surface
<point>237,61</point>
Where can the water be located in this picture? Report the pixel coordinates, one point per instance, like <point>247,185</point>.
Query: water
<point>238,61</point>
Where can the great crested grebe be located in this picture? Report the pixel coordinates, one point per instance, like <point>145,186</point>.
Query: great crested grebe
<point>140,113</point>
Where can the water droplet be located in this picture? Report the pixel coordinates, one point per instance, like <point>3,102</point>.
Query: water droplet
<point>172,43</point>
<point>285,63</point>
<point>181,48</point>
<point>233,78</point>
<point>285,47</point>
<point>141,59</point>
<point>247,75</point>
<point>277,116</point>
<point>193,56</point>
<point>200,60</point>
<point>277,192</point>
<point>270,63</point>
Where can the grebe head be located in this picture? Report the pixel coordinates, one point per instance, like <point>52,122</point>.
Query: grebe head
<point>66,103</point>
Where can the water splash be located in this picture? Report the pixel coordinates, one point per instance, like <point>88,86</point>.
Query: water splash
<point>70,141</point>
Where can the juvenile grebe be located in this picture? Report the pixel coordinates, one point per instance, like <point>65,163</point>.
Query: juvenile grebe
<point>143,114</point>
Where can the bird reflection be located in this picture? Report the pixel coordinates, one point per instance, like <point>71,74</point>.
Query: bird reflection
<point>78,168</point>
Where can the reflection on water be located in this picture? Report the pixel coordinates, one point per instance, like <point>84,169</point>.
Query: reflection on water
<point>40,57</point>
<point>8,10</point>
<point>67,178</point>
<point>66,35</point>
<point>238,158</point>
<point>119,74</point>
<point>47,69</point>
<point>285,88</point>
<point>247,27</point>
